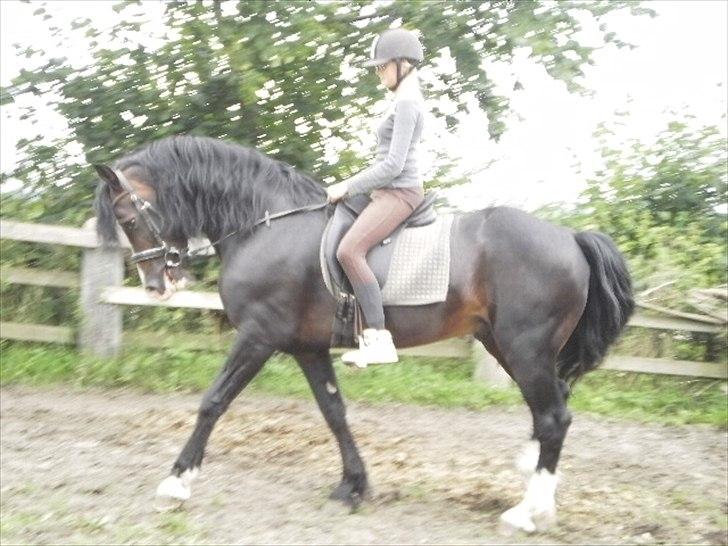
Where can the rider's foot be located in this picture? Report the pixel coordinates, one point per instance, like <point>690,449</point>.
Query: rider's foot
<point>375,347</point>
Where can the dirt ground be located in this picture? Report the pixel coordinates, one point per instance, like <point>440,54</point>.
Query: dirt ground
<point>82,467</point>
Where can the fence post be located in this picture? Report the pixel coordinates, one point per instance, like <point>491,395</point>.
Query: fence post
<point>101,324</point>
<point>487,370</point>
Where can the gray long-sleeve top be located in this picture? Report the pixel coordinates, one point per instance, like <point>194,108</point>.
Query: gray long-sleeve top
<point>396,161</point>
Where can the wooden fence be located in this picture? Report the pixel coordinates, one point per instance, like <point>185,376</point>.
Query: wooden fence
<point>102,297</point>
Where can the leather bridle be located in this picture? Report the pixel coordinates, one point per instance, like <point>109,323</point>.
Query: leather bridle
<point>172,255</point>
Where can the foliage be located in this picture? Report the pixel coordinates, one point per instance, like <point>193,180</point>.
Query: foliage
<point>426,381</point>
<point>661,203</point>
<point>277,77</point>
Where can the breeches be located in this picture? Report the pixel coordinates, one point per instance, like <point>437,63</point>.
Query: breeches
<point>388,209</point>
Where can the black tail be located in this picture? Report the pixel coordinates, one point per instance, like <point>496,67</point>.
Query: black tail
<point>609,305</point>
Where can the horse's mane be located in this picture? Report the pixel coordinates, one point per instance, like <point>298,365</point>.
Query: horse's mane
<point>204,185</point>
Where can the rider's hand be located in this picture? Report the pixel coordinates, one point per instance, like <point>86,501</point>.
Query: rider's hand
<point>336,192</point>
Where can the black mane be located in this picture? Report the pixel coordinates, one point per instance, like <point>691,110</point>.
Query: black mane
<point>208,186</point>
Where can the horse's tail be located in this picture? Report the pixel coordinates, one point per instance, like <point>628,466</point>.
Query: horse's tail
<point>609,305</point>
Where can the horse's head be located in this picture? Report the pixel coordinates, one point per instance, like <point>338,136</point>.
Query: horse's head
<point>156,254</point>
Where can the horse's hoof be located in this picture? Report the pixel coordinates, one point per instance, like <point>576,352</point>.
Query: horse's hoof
<point>349,494</point>
<point>544,520</point>
<point>524,519</point>
<point>172,493</point>
<point>516,519</point>
<point>167,504</point>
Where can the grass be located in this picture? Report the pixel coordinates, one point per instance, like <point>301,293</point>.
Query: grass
<point>54,515</point>
<point>426,381</point>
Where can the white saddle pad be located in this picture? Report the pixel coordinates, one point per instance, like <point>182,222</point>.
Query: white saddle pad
<point>419,272</point>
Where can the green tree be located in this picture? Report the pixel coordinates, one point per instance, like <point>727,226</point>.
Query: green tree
<point>664,205</point>
<point>269,75</point>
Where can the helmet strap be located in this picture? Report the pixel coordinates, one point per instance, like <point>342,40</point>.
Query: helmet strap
<point>401,76</point>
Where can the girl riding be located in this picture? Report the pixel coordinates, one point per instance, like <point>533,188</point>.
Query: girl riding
<point>393,183</point>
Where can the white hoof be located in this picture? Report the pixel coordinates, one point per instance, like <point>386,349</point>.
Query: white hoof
<point>516,519</point>
<point>174,490</point>
<point>537,510</point>
<point>521,518</point>
<point>544,520</point>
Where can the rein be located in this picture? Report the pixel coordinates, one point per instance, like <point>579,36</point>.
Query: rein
<point>265,220</point>
<point>172,255</point>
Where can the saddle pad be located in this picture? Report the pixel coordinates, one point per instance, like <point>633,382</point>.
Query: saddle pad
<point>419,272</point>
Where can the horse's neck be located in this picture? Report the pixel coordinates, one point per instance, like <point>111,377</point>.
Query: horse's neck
<point>230,239</point>
<point>272,204</point>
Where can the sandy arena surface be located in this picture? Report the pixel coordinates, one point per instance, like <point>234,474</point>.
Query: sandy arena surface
<point>82,466</point>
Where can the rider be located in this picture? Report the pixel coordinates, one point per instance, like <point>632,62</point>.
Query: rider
<point>394,182</point>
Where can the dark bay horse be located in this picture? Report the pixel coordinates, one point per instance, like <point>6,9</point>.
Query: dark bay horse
<point>545,301</point>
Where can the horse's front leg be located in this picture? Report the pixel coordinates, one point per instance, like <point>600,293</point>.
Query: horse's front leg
<point>320,374</point>
<point>243,363</point>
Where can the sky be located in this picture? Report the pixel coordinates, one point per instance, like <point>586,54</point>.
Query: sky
<point>548,153</point>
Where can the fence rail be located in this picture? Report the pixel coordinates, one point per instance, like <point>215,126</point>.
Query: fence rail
<point>102,296</point>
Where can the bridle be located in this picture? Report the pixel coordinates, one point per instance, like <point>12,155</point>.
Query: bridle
<point>172,255</point>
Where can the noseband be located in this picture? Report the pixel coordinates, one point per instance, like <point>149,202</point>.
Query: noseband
<point>171,254</point>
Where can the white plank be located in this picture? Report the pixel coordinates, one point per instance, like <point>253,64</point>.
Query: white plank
<point>44,233</point>
<point>126,295</point>
<point>664,366</point>
<point>39,277</point>
<point>670,323</point>
<point>681,314</point>
<point>36,332</point>
<point>201,342</point>
<point>211,300</point>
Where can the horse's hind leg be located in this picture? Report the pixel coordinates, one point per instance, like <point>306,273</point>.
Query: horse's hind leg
<point>320,374</point>
<point>243,363</point>
<point>531,363</point>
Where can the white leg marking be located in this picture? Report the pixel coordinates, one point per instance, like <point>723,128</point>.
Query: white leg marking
<point>528,459</point>
<point>537,510</point>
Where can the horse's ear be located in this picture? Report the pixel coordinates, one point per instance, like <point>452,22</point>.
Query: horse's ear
<point>108,175</point>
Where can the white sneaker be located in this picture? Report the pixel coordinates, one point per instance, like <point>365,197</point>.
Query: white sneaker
<point>375,347</point>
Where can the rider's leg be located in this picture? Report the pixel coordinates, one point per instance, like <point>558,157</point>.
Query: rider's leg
<point>378,220</point>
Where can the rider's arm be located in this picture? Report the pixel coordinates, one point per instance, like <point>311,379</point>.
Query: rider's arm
<point>382,172</point>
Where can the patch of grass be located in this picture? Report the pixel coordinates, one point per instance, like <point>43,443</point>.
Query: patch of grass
<point>177,528</point>
<point>15,522</point>
<point>174,523</point>
<point>426,381</point>
<point>88,525</point>
<point>647,397</point>
<point>414,380</point>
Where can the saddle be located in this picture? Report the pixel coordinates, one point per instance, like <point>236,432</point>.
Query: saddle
<point>347,320</point>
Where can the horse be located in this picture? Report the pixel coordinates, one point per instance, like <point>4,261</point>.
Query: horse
<point>544,300</point>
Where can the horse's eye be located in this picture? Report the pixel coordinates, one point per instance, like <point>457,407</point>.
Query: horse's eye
<point>129,224</point>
